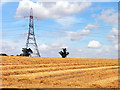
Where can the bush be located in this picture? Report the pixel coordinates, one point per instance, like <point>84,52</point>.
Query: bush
<point>3,54</point>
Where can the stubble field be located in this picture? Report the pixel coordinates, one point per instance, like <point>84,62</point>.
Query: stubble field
<point>43,72</point>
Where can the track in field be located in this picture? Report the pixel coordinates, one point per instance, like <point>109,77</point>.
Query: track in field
<point>71,74</point>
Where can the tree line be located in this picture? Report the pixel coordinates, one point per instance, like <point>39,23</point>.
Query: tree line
<point>27,52</point>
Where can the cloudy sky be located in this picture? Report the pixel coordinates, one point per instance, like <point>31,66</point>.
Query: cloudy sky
<point>86,29</point>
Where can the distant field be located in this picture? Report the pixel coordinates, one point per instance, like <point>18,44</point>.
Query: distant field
<point>41,72</point>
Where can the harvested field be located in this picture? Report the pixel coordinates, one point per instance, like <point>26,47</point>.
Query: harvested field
<point>42,72</point>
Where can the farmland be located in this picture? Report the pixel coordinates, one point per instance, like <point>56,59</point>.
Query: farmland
<point>43,72</point>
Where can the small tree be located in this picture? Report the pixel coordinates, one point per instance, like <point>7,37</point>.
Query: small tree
<point>3,54</point>
<point>26,52</point>
<point>64,53</point>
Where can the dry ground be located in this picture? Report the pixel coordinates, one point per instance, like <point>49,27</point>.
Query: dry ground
<point>41,72</point>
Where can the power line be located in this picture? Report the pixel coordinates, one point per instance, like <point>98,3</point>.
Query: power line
<point>45,29</point>
<point>47,36</point>
<point>50,31</point>
<point>70,24</point>
<point>6,18</point>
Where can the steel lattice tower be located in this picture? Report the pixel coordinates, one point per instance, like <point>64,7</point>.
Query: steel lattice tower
<point>31,41</point>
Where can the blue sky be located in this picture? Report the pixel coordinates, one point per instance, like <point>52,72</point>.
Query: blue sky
<point>90,27</point>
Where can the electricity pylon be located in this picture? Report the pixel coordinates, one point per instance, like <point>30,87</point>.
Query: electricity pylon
<point>31,41</point>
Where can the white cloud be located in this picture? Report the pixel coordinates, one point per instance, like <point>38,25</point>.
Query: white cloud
<point>109,16</point>
<point>94,44</point>
<point>10,47</point>
<point>107,51</point>
<point>80,50</point>
<point>68,21</point>
<point>51,50</point>
<point>85,32</point>
<point>92,26</point>
<point>25,35</point>
<point>50,10</point>
<point>99,51</point>
<point>52,46</point>
<point>43,47</point>
<point>77,35</point>
<point>113,35</point>
<point>117,46</point>
<point>2,2</point>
